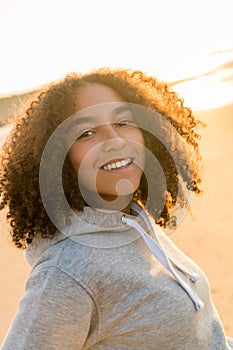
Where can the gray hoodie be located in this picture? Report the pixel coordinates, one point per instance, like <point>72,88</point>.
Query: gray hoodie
<point>106,284</point>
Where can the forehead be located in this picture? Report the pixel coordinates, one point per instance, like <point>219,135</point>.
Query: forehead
<point>99,114</point>
<point>95,94</point>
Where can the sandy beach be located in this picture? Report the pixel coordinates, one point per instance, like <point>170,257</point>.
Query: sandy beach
<point>206,235</point>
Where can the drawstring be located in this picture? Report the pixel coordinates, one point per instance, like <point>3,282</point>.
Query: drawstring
<point>193,277</point>
<point>156,249</point>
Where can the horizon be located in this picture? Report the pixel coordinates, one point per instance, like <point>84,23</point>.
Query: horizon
<point>211,88</point>
<point>44,43</point>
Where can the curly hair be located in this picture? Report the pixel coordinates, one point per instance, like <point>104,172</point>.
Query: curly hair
<point>22,151</point>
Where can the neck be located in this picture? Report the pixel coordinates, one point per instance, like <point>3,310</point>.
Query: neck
<point>107,202</point>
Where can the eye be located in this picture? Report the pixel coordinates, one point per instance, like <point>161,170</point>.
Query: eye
<point>126,122</point>
<point>87,133</point>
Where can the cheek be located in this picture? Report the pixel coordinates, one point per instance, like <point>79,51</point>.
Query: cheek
<point>76,155</point>
<point>141,139</point>
<point>83,158</point>
<point>137,135</point>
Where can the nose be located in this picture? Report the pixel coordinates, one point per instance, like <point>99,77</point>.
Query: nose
<point>112,139</point>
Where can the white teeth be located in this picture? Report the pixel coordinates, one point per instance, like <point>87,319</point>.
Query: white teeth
<point>117,165</point>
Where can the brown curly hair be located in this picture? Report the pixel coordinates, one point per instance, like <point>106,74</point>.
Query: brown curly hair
<point>22,151</point>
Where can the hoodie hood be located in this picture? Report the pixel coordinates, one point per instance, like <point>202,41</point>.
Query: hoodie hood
<point>93,227</point>
<point>100,228</point>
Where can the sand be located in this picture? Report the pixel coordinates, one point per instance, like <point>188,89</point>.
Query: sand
<point>206,234</point>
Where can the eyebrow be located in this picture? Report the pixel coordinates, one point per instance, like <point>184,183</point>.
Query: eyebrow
<point>87,119</point>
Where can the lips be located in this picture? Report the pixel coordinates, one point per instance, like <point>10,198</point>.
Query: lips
<point>116,164</point>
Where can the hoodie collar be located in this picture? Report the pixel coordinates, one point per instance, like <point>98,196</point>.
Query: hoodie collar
<point>94,227</point>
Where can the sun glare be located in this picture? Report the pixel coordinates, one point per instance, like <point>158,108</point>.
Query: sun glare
<point>169,44</point>
<point>203,93</point>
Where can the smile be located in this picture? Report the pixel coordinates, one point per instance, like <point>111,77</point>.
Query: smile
<point>117,165</point>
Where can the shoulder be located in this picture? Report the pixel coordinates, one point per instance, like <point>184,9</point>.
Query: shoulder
<point>64,253</point>
<point>69,259</point>
<point>55,280</point>
<point>57,311</point>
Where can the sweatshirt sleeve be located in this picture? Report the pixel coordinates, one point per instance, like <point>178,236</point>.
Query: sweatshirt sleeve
<point>230,342</point>
<point>54,313</point>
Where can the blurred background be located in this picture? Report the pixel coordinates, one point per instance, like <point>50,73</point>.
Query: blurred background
<point>189,44</point>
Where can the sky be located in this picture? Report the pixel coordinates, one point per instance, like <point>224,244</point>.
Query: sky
<point>43,40</point>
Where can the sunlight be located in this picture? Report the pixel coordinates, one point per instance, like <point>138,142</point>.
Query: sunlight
<point>205,93</point>
<point>175,46</point>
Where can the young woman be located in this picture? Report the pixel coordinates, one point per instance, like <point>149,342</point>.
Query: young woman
<point>94,174</point>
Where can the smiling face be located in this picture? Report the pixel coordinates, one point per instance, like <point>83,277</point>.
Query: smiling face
<point>108,154</point>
